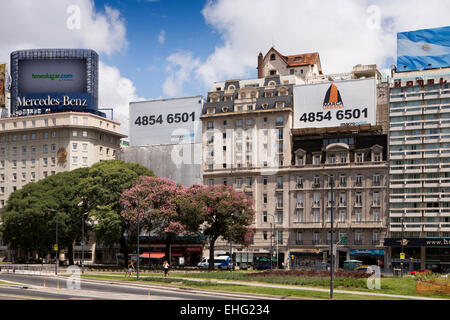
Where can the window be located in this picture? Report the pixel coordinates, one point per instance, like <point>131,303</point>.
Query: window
<point>376,215</point>
<point>211,182</point>
<point>24,149</point>
<point>358,180</point>
<point>280,121</point>
<point>14,177</point>
<point>265,180</point>
<point>279,182</point>
<point>343,198</point>
<point>53,147</point>
<point>299,200</point>
<point>300,216</point>
<point>316,181</point>
<point>280,237</point>
<point>343,158</point>
<point>280,134</point>
<point>358,199</point>
<point>250,122</point>
<point>299,182</point>
<point>272,57</point>
<point>342,215</point>
<point>358,237</point>
<point>33,136</point>
<point>14,163</point>
<point>265,198</point>
<point>316,197</point>
<point>279,217</point>
<point>75,133</point>
<point>85,147</point>
<point>317,160</point>
<point>14,150</point>
<point>210,125</point>
<point>359,158</point>
<point>53,159</point>
<point>239,122</point>
<point>316,216</point>
<point>85,160</point>
<point>264,216</point>
<point>376,180</point>
<point>45,161</point>
<point>249,182</point>
<point>45,148</point>
<point>376,237</point>
<point>332,159</point>
<point>358,215</point>
<point>377,157</point>
<point>239,182</point>
<point>376,198</point>
<point>74,160</point>
<point>45,135</point>
<point>33,149</point>
<point>343,180</point>
<point>273,72</point>
<point>291,71</point>
<point>279,200</point>
<point>85,134</point>
<point>316,238</point>
<point>24,163</point>
<point>265,235</point>
<point>74,146</point>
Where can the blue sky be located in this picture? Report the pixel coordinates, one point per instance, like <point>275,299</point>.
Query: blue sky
<point>144,59</point>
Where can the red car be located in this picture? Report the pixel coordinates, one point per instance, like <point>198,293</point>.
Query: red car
<point>420,271</point>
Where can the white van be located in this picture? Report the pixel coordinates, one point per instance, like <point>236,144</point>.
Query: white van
<point>220,262</point>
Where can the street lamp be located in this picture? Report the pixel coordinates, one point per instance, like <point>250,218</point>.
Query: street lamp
<point>138,233</point>
<point>271,236</point>
<point>82,241</point>
<point>401,261</point>
<point>56,248</point>
<point>331,182</point>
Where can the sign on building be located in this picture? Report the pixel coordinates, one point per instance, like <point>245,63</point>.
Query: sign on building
<point>335,104</point>
<point>166,122</point>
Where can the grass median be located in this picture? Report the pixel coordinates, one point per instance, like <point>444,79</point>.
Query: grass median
<point>210,284</point>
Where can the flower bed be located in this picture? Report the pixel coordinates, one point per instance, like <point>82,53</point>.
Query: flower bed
<point>309,273</point>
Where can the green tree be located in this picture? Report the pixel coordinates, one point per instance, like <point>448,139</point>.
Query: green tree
<point>101,191</point>
<point>216,205</point>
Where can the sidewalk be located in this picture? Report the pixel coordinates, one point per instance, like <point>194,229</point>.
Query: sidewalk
<point>266,285</point>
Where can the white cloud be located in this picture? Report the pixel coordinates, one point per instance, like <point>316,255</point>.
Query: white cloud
<point>116,92</point>
<point>344,32</point>
<point>162,37</point>
<point>44,24</point>
<point>180,68</point>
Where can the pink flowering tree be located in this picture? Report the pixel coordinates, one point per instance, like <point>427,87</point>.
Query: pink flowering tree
<point>156,201</point>
<point>216,204</point>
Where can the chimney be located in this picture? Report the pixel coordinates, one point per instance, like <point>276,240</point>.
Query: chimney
<point>260,66</point>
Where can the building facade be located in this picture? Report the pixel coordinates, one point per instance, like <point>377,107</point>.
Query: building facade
<point>249,143</point>
<point>419,145</point>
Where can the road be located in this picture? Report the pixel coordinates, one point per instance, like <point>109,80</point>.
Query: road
<point>51,287</point>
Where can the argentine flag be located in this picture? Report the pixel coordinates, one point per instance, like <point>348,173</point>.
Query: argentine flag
<point>423,49</point>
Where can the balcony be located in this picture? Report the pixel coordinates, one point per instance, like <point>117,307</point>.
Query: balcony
<point>316,185</point>
<point>299,242</point>
<point>316,241</point>
<point>358,242</point>
<point>299,204</point>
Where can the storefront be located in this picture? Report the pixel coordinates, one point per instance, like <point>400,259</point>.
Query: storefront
<point>306,259</point>
<point>425,253</point>
<point>369,257</point>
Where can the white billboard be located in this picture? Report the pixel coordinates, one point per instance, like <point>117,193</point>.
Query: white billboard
<point>166,122</point>
<point>335,104</point>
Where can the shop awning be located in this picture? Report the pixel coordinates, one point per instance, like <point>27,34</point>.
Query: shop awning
<point>154,255</point>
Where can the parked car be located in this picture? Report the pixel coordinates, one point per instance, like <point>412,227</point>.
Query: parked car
<point>420,271</point>
<point>262,266</point>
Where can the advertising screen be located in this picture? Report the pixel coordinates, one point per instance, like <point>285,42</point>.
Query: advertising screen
<point>165,122</point>
<point>335,104</point>
<point>52,76</point>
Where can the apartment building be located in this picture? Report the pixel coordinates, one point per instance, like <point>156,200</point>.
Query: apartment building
<point>249,143</point>
<point>34,147</point>
<point>419,145</point>
<point>354,159</point>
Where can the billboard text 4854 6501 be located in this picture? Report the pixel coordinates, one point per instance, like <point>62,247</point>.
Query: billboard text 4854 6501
<point>341,103</point>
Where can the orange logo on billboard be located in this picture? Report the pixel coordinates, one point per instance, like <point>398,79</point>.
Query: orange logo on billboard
<point>333,99</point>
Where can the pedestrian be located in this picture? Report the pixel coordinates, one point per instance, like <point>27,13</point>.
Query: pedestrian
<point>166,268</point>
<point>130,269</point>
